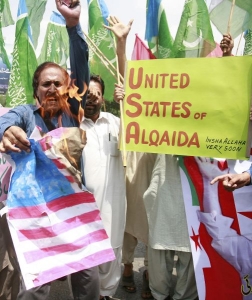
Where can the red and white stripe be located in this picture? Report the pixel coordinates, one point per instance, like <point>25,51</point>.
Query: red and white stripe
<point>61,237</point>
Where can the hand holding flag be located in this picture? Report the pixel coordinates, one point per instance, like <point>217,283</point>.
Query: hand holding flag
<point>227,44</point>
<point>235,15</point>
<point>14,139</point>
<point>55,226</point>
<point>194,37</point>
<point>119,93</point>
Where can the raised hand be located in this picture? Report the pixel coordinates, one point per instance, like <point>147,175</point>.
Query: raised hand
<point>70,10</point>
<point>121,32</point>
<point>119,29</point>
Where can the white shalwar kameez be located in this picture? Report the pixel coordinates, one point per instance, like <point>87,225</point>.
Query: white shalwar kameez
<point>104,177</point>
<point>168,232</point>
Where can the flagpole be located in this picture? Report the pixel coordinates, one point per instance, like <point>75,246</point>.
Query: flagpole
<point>97,50</point>
<point>104,62</point>
<point>229,20</point>
<point>230,16</point>
<point>122,137</point>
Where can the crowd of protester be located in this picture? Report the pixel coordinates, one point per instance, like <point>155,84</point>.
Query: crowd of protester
<point>141,201</point>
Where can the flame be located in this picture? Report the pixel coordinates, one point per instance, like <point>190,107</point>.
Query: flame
<point>62,96</point>
<point>61,99</point>
<point>80,114</point>
<point>72,91</point>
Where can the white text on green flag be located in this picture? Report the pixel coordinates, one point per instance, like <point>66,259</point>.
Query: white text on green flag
<point>24,62</point>
<point>56,45</point>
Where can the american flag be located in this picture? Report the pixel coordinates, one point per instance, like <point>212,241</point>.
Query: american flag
<point>55,226</point>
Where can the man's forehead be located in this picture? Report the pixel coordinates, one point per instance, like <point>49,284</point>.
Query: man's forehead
<point>93,85</point>
<point>52,73</point>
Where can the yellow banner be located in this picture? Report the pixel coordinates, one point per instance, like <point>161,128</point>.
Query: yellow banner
<point>189,106</point>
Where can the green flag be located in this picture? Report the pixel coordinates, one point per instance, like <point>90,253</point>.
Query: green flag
<point>3,53</point>
<point>248,43</point>
<point>6,17</point>
<point>56,45</point>
<point>36,11</point>
<point>157,32</point>
<point>24,62</point>
<point>194,37</point>
<point>103,40</point>
<point>241,17</point>
<point>96,10</point>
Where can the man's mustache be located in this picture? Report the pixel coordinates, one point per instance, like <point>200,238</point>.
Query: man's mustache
<point>54,95</point>
<point>62,103</point>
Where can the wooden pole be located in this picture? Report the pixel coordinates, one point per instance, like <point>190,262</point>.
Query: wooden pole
<point>230,17</point>
<point>122,137</point>
<point>101,55</point>
<point>230,20</point>
<point>102,59</point>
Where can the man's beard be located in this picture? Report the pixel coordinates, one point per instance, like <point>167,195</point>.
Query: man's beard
<point>54,104</point>
<point>92,110</point>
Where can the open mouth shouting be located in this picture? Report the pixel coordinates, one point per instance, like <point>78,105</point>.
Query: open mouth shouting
<point>52,103</point>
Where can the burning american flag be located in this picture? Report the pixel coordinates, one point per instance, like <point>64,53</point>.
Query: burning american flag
<point>55,226</point>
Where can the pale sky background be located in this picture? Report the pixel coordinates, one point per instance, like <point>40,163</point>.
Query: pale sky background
<point>124,10</point>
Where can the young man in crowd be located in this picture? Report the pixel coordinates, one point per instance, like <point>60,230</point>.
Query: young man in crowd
<point>103,164</point>
<point>104,177</point>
